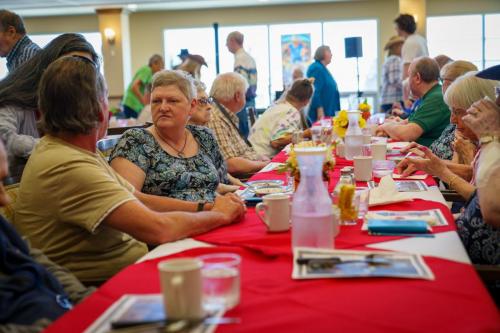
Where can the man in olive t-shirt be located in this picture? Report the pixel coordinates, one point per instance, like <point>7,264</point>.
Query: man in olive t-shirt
<point>133,101</point>
<point>430,118</point>
<point>71,189</point>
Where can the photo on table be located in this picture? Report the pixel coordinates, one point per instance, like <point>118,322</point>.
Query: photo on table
<point>312,263</point>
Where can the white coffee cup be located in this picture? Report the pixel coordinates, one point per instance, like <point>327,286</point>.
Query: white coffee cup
<point>379,151</point>
<point>181,286</point>
<point>274,211</point>
<point>363,168</point>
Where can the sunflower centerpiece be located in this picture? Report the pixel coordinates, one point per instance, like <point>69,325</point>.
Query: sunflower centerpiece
<point>292,166</point>
<point>341,122</point>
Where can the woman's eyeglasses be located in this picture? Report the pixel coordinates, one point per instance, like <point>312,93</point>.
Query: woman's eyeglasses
<point>205,101</point>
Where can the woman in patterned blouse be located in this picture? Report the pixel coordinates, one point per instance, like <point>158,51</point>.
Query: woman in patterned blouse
<point>273,130</point>
<point>171,158</point>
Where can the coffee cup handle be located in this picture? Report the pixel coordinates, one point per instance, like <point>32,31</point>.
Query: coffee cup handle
<point>261,207</point>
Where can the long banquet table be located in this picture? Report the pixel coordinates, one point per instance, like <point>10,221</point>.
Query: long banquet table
<point>456,301</point>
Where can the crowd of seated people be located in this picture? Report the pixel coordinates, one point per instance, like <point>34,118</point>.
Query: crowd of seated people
<point>170,180</point>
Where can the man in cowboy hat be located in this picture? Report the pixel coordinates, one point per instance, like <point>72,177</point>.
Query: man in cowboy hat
<point>392,88</point>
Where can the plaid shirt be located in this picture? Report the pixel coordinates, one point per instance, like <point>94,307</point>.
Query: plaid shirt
<point>392,87</point>
<point>24,50</point>
<point>230,142</point>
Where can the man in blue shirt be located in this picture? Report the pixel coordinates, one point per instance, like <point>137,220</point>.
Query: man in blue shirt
<point>15,45</point>
<point>326,98</point>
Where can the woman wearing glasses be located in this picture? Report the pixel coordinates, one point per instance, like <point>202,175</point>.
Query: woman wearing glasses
<point>171,158</point>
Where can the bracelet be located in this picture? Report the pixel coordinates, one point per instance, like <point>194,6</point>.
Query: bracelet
<point>450,183</point>
<point>201,206</point>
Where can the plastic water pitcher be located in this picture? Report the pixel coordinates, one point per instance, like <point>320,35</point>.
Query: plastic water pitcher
<point>353,137</point>
<point>313,223</point>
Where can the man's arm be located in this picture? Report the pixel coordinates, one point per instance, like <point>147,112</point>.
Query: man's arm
<point>405,70</point>
<point>402,132</point>
<point>240,165</point>
<point>151,227</point>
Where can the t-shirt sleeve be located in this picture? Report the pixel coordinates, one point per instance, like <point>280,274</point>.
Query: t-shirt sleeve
<point>145,75</point>
<point>410,51</point>
<point>426,116</point>
<point>286,125</point>
<point>88,201</point>
<point>132,146</point>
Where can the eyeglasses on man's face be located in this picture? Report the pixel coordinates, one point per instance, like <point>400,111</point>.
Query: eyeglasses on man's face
<point>205,101</point>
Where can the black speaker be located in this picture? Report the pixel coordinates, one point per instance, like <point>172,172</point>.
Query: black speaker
<point>353,47</point>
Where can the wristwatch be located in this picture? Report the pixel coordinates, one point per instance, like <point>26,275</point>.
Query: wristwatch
<point>201,205</point>
<point>488,138</point>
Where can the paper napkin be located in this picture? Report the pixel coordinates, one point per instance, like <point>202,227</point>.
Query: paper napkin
<point>386,192</point>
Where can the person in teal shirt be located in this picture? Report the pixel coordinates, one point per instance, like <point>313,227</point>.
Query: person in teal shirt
<point>326,98</point>
<point>432,116</point>
<point>134,100</point>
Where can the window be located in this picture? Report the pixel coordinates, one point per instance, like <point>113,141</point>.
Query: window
<point>255,43</point>
<point>344,69</point>
<point>458,37</point>
<point>492,40</point>
<point>94,38</point>
<point>198,41</point>
<point>462,37</point>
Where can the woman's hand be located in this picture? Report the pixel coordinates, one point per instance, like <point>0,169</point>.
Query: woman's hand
<point>430,164</point>
<point>483,118</point>
<point>464,148</point>
<point>231,205</point>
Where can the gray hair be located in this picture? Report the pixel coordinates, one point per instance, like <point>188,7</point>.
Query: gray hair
<point>237,36</point>
<point>456,68</point>
<point>226,85</point>
<point>467,89</point>
<point>200,86</point>
<point>182,80</point>
<point>428,69</point>
<point>70,96</point>
<point>320,52</point>
<point>155,58</point>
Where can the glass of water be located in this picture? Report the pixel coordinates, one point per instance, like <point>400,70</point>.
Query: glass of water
<point>221,281</point>
<point>363,195</point>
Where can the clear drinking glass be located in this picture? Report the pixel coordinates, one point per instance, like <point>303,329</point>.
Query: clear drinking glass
<point>363,193</point>
<point>316,134</point>
<point>220,280</point>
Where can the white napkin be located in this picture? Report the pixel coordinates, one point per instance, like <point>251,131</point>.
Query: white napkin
<point>386,192</point>
<point>412,177</point>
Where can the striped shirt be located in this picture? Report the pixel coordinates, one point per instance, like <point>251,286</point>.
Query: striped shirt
<point>24,50</point>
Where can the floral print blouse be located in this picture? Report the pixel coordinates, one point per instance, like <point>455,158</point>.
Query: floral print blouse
<point>442,146</point>
<point>193,179</point>
<point>481,240</point>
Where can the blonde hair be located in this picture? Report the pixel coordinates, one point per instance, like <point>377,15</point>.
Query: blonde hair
<point>468,89</point>
<point>226,85</point>
<point>456,68</point>
<point>182,80</point>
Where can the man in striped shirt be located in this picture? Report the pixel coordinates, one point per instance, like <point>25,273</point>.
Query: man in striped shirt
<point>15,45</point>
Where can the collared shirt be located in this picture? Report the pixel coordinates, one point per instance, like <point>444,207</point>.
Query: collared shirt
<point>392,87</point>
<point>24,50</point>
<point>244,64</point>
<point>230,142</point>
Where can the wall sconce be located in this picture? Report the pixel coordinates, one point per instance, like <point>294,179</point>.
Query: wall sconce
<point>110,35</point>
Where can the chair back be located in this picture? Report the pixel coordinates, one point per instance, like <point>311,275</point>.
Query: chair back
<point>8,210</point>
<point>251,115</point>
<point>106,145</point>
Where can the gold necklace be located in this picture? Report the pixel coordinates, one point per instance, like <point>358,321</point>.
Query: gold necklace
<point>180,153</point>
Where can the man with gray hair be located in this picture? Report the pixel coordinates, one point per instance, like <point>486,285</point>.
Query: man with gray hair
<point>244,64</point>
<point>228,91</point>
<point>431,116</point>
<point>15,45</point>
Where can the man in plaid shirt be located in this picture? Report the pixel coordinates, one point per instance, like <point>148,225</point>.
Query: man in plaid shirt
<point>228,91</point>
<point>14,44</point>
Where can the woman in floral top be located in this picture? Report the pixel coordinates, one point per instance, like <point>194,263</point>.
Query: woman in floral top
<point>273,130</point>
<point>171,158</point>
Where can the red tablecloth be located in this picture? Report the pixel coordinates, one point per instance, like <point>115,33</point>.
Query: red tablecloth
<point>252,233</point>
<point>273,302</point>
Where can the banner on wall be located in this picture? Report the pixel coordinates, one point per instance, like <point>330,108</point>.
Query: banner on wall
<point>296,55</point>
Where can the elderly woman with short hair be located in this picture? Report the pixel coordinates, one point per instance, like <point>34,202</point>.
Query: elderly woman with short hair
<point>326,98</point>
<point>171,158</point>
